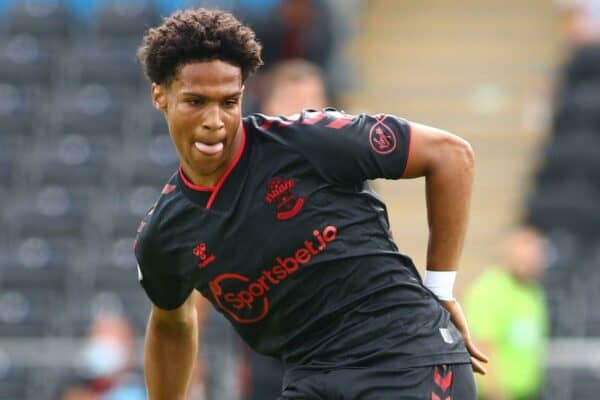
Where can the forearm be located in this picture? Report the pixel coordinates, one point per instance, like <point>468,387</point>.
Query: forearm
<point>448,188</point>
<point>170,354</point>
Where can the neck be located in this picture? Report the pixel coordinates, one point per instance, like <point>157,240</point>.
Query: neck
<point>200,180</point>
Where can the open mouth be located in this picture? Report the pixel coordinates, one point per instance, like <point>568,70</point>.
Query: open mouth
<point>208,149</point>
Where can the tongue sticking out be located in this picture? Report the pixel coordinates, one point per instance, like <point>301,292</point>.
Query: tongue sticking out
<point>209,148</point>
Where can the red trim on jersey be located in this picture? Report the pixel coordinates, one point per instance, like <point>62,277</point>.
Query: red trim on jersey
<point>319,115</point>
<point>168,188</point>
<point>192,186</point>
<point>267,124</point>
<point>410,133</point>
<point>215,189</point>
<point>340,122</point>
<point>235,162</point>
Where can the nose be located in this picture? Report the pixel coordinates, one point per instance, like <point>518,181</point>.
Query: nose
<point>212,120</point>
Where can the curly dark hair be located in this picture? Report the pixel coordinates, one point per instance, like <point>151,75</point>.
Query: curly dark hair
<point>198,35</point>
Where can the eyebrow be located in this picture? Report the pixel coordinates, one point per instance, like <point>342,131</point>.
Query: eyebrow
<point>194,94</point>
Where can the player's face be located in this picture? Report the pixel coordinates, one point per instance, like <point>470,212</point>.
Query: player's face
<point>202,106</point>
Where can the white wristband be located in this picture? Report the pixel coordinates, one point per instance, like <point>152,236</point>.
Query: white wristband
<point>440,283</point>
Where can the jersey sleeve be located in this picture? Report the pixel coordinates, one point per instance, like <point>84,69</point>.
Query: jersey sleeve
<point>346,149</point>
<point>164,288</point>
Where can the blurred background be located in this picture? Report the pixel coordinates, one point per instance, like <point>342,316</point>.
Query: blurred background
<point>83,155</point>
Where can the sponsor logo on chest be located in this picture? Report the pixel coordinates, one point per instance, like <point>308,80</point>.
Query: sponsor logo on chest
<point>245,299</point>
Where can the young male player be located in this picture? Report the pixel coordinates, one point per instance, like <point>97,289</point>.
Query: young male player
<point>271,220</point>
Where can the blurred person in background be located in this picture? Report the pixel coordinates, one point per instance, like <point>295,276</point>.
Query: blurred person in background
<point>291,29</point>
<point>106,369</point>
<point>582,21</point>
<point>508,319</point>
<point>292,86</point>
<point>296,29</point>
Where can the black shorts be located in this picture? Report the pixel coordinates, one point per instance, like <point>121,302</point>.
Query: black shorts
<point>445,382</point>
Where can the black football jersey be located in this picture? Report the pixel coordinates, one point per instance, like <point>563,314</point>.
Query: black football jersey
<point>295,250</point>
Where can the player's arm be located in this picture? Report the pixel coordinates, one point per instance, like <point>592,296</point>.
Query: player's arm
<point>170,350</point>
<point>447,162</point>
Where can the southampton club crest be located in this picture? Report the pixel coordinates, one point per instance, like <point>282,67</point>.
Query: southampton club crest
<point>281,196</point>
<point>382,137</point>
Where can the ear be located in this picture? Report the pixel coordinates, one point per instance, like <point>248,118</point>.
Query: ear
<point>159,97</point>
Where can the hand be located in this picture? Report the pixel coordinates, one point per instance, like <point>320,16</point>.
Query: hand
<point>458,319</point>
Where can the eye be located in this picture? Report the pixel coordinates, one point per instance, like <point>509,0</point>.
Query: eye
<point>194,102</point>
<point>231,102</point>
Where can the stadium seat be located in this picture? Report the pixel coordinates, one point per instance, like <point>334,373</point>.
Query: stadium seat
<point>578,108</point>
<point>573,156</point>
<point>105,61</point>
<point>125,19</point>
<point>39,18</point>
<point>9,158</point>
<point>593,255</point>
<point>75,160</point>
<point>129,301</point>
<point>572,206</point>
<point>584,66</point>
<point>14,379</point>
<point>591,279</point>
<point>168,6</point>
<point>586,95</point>
<point>562,299</point>
<point>586,383</point>
<point>19,108</point>
<point>151,161</point>
<point>564,248</point>
<point>558,384</point>
<point>26,59</point>
<point>557,327</point>
<point>592,323</point>
<point>569,118</point>
<point>114,265</point>
<point>28,313</point>
<point>128,207</point>
<point>47,382</point>
<point>52,210</point>
<point>92,108</point>
<point>38,262</point>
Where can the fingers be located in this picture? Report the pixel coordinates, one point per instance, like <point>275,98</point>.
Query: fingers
<point>475,352</point>
<point>477,358</point>
<point>477,366</point>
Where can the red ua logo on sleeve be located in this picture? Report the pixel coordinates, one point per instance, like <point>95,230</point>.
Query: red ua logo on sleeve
<point>200,252</point>
<point>280,195</point>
